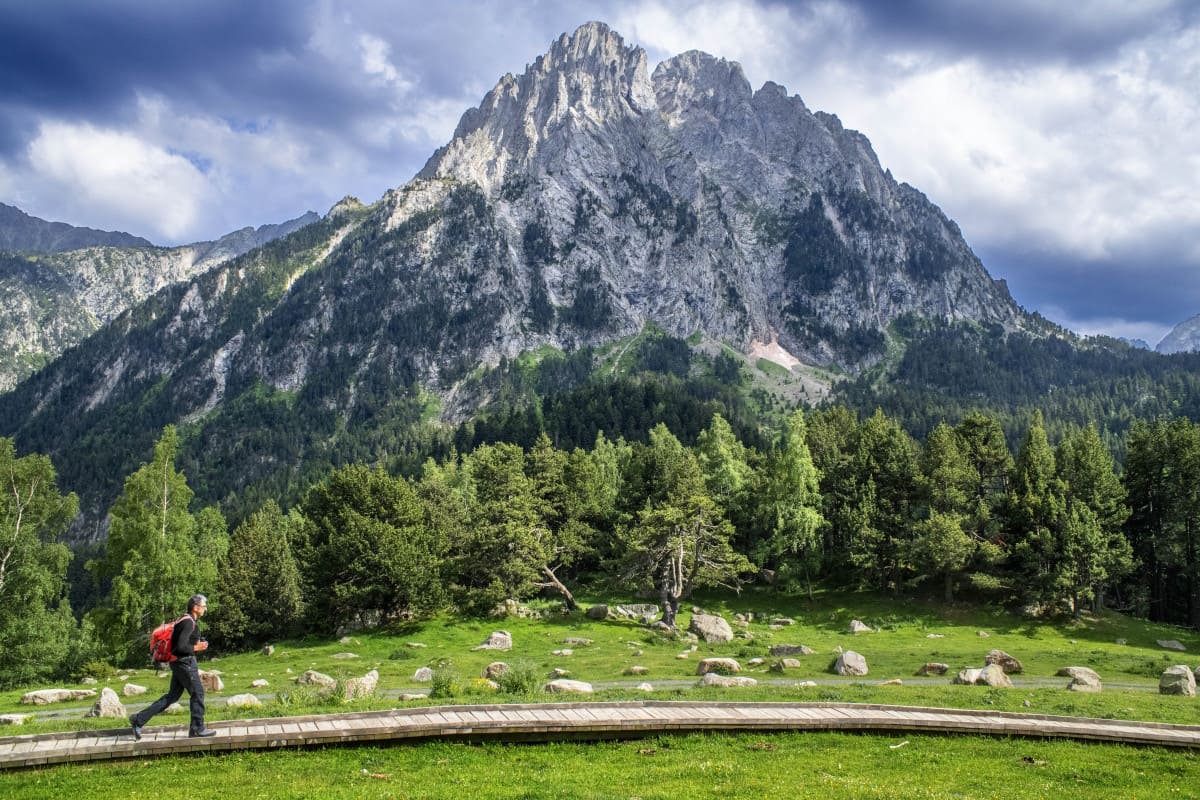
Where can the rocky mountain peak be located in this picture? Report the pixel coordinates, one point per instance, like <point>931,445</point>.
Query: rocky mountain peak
<point>1183,338</point>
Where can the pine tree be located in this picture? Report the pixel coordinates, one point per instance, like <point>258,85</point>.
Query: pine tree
<point>1036,514</point>
<point>790,500</point>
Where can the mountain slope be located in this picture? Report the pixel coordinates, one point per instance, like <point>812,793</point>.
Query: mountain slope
<point>1183,338</point>
<point>21,232</point>
<point>578,204</point>
<point>56,299</point>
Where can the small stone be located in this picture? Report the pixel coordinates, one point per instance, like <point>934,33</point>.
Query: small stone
<point>711,629</point>
<point>722,666</point>
<point>345,655</point>
<point>414,644</point>
<point>968,676</point>
<point>261,683</point>
<point>211,680</point>
<point>365,686</point>
<point>597,612</point>
<point>566,651</point>
<point>756,662</point>
<point>313,678</point>
<point>857,627</point>
<point>994,675</point>
<point>645,687</point>
<point>984,634</point>
<point>559,673</point>
<point>494,670</point>
<point>269,650</point>
<point>683,656</point>
<point>850,663</point>
<point>576,641</point>
<point>243,701</point>
<point>409,696</point>
<point>783,621</point>
<point>935,636</point>
<point>791,650</point>
<point>499,640</point>
<point>423,675</point>
<point>892,682</point>
<point>637,670</point>
<point>14,719</point>
<point>1171,644</point>
<point>132,689</point>
<point>934,668</point>
<point>44,697</point>
<point>108,706</point>
<point>89,681</point>
<point>724,681</point>
<point>1009,664</point>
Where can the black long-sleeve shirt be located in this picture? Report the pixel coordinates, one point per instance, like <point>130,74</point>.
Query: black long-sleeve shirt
<point>184,637</point>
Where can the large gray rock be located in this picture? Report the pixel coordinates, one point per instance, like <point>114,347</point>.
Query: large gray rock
<point>423,675</point>
<point>132,690</point>
<point>642,612</point>
<point>726,681</point>
<point>567,686</point>
<point>597,612</point>
<point>1009,664</point>
<point>1085,683</point>
<point>319,679</point>
<point>1178,679</point>
<point>933,668</point>
<point>356,688</point>
<point>108,706</point>
<point>1086,673</point>
<point>968,676</point>
<point>499,640</point>
<point>791,650</point>
<point>1171,644</point>
<point>994,675</point>
<point>244,701</point>
<point>711,628</point>
<point>722,666</point>
<point>850,663</point>
<point>495,670</point>
<point>44,697</point>
<point>858,626</point>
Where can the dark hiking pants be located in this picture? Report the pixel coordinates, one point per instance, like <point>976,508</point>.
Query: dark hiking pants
<point>185,676</point>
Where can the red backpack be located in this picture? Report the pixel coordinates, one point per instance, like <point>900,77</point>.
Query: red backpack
<point>160,642</point>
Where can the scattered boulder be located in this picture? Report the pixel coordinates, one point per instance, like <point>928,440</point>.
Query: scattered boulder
<point>1085,683</point>
<point>935,636</point>
<point>984,634</point>
<point>511,608</point>
<point>684,655</point>
<point>1177,680</point>
<point>132,690</point>
<point>566,686</point>
<point>642,612</point>
<point>726,681</point>
<point>566,651</point>
<point>710,628</point>
<point>494,670</point>
<point>784,664</point>
<point>661,627</point>
<point>783,621</point>
<point>577,641</point>
<point>806,683</point>
<point>355,688</point>
<point>791,650</point>
<point>415,644</point>
<point>637,670</point>
<point>1010,665</point>
<point>597,612</point>
<point>210,679</point>
<point>645,687</point>
<point>89,681</point>
<point>243,701</point>
<point>345,655</point>
<point>722,666</point>
<point>499,640</point>
<point>269,650</point>
<point>108,706</point>
<point>174,708</point>
<point>1078,672</point>
<point>892,682</point>
<point>260,683</point>
<point>934,668</point>
<point>757,661</point>
<point>408,696</point>
<point>319,679</point>
<point>858,626</point>
<point>423,675</point>
<point>44,697</point>
<point>850,663</point>
<point>968,676</point>
<point>994,675</point>
<point>14,719</point>
<point>559,673</point>
<point>1171,644</point>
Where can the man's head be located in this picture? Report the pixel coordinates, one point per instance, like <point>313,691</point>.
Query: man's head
<point>197,605</point>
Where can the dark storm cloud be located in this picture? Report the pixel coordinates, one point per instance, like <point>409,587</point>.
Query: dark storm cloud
<point>1131,286</point>
<point>1009,32</point>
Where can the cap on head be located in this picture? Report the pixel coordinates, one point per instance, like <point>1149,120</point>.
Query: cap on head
<point>196,600</point>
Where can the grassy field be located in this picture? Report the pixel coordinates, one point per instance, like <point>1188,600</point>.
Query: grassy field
<point>1122,650</point>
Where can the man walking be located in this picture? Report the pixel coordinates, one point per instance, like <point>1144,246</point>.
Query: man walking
<point>185,675</point>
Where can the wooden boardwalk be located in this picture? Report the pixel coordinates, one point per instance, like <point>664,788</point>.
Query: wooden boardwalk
<point>582,720</point>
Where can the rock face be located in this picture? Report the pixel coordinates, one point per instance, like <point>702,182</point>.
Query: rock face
<point>1177,680</point>
<point>81,279</point>
<point>1183,338</point>
<point>710,628</point>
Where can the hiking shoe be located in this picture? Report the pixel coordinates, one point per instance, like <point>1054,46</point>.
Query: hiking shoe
<point>204,733</point>
<point>137,729</point>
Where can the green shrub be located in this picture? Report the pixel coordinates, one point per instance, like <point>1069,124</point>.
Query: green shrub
<point>520,678</point>
<point>446,682</point>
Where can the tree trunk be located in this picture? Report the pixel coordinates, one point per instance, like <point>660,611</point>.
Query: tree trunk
<point>949,586</point>
<point>557,585</point>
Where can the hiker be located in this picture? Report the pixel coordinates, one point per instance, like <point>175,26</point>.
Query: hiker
<point>186,642</point>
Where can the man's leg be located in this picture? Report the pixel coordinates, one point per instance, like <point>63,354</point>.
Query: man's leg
<point>196,690</point>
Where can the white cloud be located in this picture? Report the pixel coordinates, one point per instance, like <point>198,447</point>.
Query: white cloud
<point>115,179</point>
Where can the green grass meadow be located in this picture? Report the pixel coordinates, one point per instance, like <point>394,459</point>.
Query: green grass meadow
<point>909,632</point>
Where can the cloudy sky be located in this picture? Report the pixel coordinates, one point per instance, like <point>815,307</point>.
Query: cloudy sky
<point>1064,138</point>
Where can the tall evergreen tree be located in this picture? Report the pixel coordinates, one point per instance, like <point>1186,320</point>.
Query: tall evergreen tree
<point>948,486</point>
<point>885,471</point>
<point>790,500</point>
<point>259,581</point>
<point>1036,514</point>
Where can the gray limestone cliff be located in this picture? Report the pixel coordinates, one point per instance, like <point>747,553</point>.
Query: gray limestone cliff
<point>1183,338</point>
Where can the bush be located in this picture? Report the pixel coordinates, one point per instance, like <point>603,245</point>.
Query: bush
<point>520,678</point>
<point>446,682</point>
